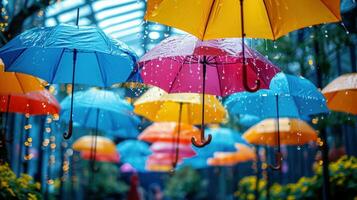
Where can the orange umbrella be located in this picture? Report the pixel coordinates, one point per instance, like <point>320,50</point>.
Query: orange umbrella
<point>102,157</point>
<point>161,162</point>
<point>292,132</point>
<point>103,144</point>
<point>166,131</point>
<point>243,154</point>
<point>341,93</point>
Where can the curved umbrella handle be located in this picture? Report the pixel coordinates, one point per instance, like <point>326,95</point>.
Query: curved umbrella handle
<point>203,141</point>
<point>67,135</point>
<point>278,161</point>
<point>245,81</point>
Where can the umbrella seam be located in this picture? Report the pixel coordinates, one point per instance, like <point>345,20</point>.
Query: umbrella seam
<point>208,18</point>
<point>104,78</point>
<point>271,27</point>
<point>23,50</point>
<point>57,65</point>
<point>174,81</point>
<point>21,86</point>
<point>330,9</point>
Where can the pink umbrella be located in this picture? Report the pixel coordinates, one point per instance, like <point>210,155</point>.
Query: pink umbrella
<point>162,159</point>
<point>186,151</point>
<point>185,64</point>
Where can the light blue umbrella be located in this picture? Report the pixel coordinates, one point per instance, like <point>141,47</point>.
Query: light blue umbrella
<point>134,152</point>
<point>295,96</point>
<point>70,54</point>
<point>288,96</point>
<point>103,110</point>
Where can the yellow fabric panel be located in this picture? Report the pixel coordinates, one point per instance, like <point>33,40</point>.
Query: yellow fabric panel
<point>267,19</point>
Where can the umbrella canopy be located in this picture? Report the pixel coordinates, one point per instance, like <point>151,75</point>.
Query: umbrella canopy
<point>211,19</point>
<point>161,159</point>
<point>292,132</point>
<point>177,65</point>
<point>103,144</point>
<point>34,103</point>
<point>196,162</point>
<point>296,97</point>
<point>100,109</point>
<point>17,83</point>
<point>159,106</point>
<point>133,148</point>
<point>101,157</point>
<point>48,52</point>
<point>166,131</point>
<point>341,93</point>
<point>186,150</point>
<point>153,167</point>
<point>243,154</point>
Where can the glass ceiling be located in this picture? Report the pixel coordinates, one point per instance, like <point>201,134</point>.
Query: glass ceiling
<point>121,19</point>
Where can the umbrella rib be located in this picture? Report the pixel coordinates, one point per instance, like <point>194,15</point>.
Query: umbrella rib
<point>174,81</point>
<point>16,58</point>
<point>329,9</point>
<point>100,69</point>
<point>271,27</point>
<point>219,79</point>
<point>208,18</point>
<point>20,83</point>
<point>57,65</point>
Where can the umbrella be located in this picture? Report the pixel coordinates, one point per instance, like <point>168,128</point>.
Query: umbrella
<point>292,132</point>
<point>288,96</point>
<point>101,109</point>
<point>182,64</point>
<point>70,54</point>
<point>161,159</point>
<point>134,152</point>
<point>104,145</point>
<point>165,131</point>
<point>186,150</point>
<point>243,154</point>
<point>341,93</point>
<point>102,157</point>
<point>223,19</point>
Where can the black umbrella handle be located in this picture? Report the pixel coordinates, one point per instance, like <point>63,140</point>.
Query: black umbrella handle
<point>68,134</point>
<point>244,66</point>
<point>278,161</point>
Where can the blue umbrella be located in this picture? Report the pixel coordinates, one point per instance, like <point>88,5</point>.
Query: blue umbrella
<point>103,110</point>
<point>134,152</point>
<point>296,97</point>
<point>248,120</point>
<point>70,54</point>
<point>288,96</point>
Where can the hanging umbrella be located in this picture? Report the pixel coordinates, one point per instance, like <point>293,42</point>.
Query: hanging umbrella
<point>100,109</point>
<point>102,157</point>
<point>70,54</point>
<point>104,145</point>
<point>161,159</point>
<point>243,154</point>
<point>341,93</point>
<point>288,96</point>
<point>292,132</point>
<point>166,148</point>
<point>222,19</point>
<point>248,120</point>
<point>165,131</point>
<point>182,64</point>
<point>134,152</point>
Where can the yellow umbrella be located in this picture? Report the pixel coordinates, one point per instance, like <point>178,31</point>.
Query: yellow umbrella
<point>103,145</point>
<point>17,83</point>
<point>292,132</point>
<point>212,19</point>
<point>159,106</point>
<point>341,93</point>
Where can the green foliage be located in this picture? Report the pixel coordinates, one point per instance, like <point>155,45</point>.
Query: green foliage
<point>185,183</point>
<point>17,188</point>
<point>105,181</point>
<point>343,180</point>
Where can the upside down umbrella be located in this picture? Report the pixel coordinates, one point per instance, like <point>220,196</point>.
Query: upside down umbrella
<point>164,132</point>
<point>182,64</point>
<point>288,96</point>
<point>159,106</point>
<point>70,54</point>
<point>341,93</point>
